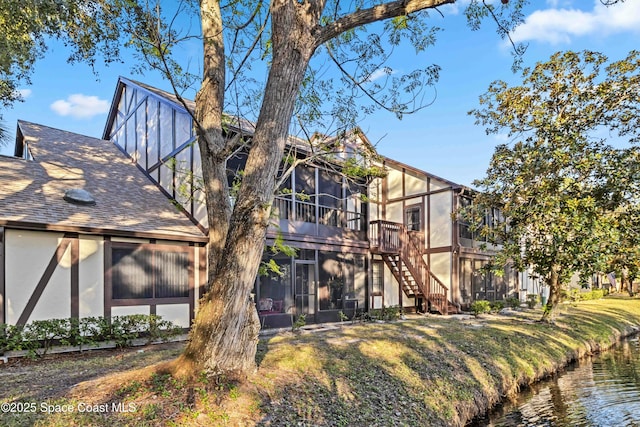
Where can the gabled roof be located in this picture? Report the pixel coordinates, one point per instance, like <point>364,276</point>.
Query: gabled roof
<point>127,203</point>
<point>234,124</point>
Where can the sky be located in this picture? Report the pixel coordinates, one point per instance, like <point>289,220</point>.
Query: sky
<point>441,139</point>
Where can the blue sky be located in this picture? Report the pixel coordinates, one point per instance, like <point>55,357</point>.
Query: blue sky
<point>441,139</point>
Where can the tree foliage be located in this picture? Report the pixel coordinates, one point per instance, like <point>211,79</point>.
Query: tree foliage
<point>90,29</point>
<point>569,196</point>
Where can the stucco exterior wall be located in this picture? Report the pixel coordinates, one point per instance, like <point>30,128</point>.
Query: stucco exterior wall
<point>28,253</point>
<point>441,267</point>
<point>440,217</point>
<point>91,291</point>
<point>28,256</point>
<point>394,184</point>
<point>414,185</point>
<point>394,212</point>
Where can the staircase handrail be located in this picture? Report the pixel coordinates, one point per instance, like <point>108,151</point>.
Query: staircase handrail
<point>432,288</point>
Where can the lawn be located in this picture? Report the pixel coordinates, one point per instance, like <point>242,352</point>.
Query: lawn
<point>425,370</point>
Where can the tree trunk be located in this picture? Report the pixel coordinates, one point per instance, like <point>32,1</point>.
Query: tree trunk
<point>555,294</point>
<point>224,334</point>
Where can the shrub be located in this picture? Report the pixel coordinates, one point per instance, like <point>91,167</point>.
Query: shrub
<point>46,332</point>
<point>513,302</point>
<point>391,313</point>
<point>496,306</point>
<point>532,300</point>
<point>11,338</point>
<point>39,336</point>
<point>299,323</point>
<point>480,307</point>
<point>159,329</point>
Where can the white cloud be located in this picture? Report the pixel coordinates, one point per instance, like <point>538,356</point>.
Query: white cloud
<point>379,73</point>
<point>558,26</point>
<point>80,106</point>
<point>24,93</point>
<point>454,8</point>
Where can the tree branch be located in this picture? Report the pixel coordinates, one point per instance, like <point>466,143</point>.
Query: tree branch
<point>374,14</point>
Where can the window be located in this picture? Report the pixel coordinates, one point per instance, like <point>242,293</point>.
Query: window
<point>149,271</point>
<point>413,215</point>
<point>465,227</point>
<point>377,282</point>
<point>274,288</point>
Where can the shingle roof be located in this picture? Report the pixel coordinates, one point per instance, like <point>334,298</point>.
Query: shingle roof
<point>127,203</point>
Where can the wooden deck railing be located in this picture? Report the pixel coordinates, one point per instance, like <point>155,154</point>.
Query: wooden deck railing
<point>285,208</point>
<point>392,238</point>
<point>384,236</point>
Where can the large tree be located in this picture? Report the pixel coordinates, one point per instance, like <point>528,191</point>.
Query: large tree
<point>225,331</point>
<point>567,195</point>
<point>298,43</point>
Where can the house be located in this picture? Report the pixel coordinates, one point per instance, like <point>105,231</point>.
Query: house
<point>131,237</point>
<point>442,264</point>
<point>316,212</point>
<point>84,233</point>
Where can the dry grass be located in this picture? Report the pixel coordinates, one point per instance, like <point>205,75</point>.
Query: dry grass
<point>426,370</point>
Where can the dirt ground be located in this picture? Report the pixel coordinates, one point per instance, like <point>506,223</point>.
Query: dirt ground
<point>53,375</point>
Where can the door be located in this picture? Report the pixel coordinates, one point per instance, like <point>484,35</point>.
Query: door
<point>305,288</point>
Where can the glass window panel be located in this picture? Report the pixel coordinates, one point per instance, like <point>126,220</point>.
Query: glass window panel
<point>131,136</point>
<point>330,185</point>
<point>360,279</point>
<point>118,138</point>
<point>377,280</point>
<point>166,178</point>
<point>172,274</point>
<point>183,178</point>
<point>306,254</point>
<point>141,134</point>
<point>122,109</point>
<point>331,281</point>
<point>306,183</point>
<point>166,130</point>
<point>274,288</point>
<point>131,273</point>
<point>183,128</point>
<point>413,218</point>
<point>466,273</point>
<point>152,132</point>
<point>131,98</point>
<point>479,285</point>
<point>235,164</point>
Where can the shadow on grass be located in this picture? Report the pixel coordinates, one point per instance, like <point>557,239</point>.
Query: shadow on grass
<point>431,370</point>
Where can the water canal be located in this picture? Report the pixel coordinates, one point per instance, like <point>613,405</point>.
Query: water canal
<point>599,391</point>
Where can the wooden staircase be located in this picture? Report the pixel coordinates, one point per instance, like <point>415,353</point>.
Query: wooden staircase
<point>401,251</point>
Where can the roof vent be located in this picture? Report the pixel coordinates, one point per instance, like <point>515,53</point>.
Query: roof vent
<point>78,196</point>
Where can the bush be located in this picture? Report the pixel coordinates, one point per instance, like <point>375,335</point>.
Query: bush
<point>159,329</point>
<point>39,336</point>
<point>46,333</point>
<point>11,338</point>
<point>496,306</point>
<point>480,307</point>
<point>532,300</point>
<point>578,295</point>
<point>513,302</point>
